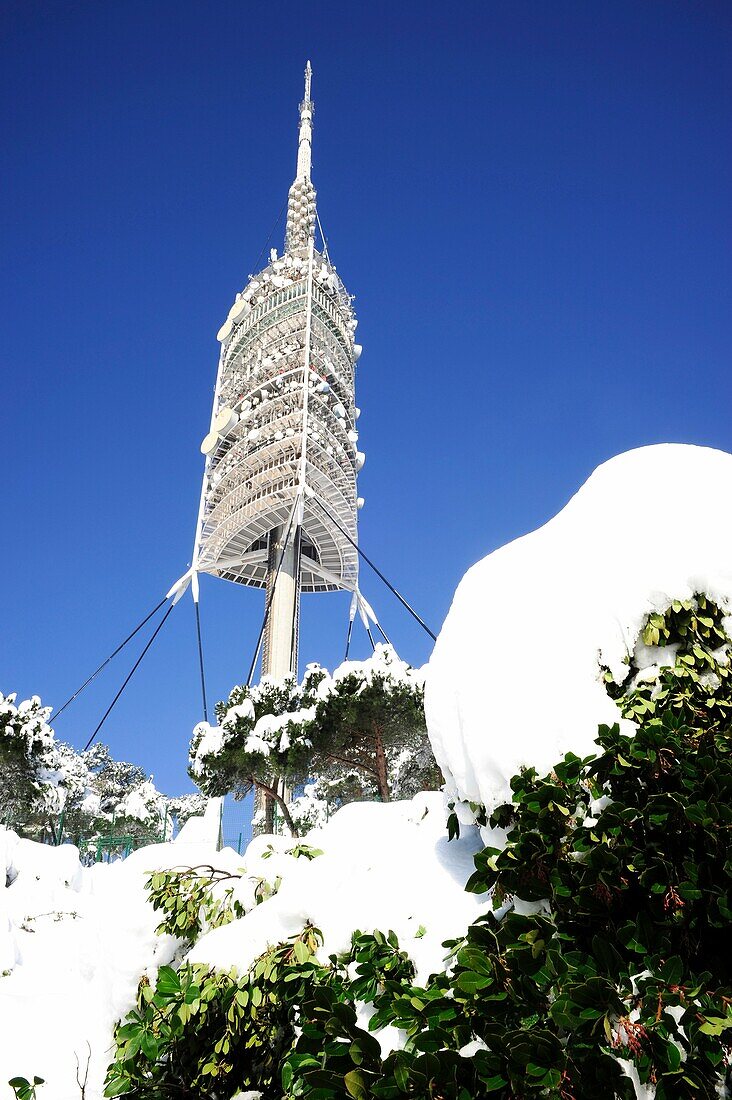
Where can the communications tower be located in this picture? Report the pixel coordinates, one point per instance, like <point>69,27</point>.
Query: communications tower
<point>279,501</point>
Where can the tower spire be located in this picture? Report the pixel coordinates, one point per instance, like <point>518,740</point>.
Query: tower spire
<point>305,137</point>
<point>301,201</point>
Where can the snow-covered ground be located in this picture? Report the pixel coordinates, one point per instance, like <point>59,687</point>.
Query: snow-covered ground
<point>515,677</point>
<point>74,941</point>
<point>385,866</point>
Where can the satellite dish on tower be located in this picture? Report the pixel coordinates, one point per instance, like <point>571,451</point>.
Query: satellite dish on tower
<point>224,420</point>
<point>210,443</point>
<point>237,311</point>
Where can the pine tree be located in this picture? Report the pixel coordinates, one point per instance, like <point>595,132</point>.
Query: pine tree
<point>50,791</point>
<point>358,734</point>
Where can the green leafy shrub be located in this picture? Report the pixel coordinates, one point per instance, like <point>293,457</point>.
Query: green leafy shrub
<point>185,896</point>
<point>199,1032</point>
<point>192,901</point>
<point>605,949</point>
<point>692,677</point>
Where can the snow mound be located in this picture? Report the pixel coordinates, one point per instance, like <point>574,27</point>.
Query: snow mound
<point>515,677</point>
<point>384,866</point>
<point>205,828</point>
<point>74,942</point>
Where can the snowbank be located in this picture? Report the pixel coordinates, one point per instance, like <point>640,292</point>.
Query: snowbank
<point>515,675</point>
<point>384,866</point>
<point>74,942</point>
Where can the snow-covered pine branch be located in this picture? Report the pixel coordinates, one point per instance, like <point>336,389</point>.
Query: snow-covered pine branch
<point>356,734</point>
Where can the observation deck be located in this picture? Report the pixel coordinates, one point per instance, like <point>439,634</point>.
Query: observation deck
<point>276,415</point>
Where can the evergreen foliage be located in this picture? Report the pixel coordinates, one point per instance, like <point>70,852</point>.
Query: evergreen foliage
<point>50,791</point>
<point>205,1033</point>
<point>25,741</point>
<point>362,731</point>
<point>191,902</point>
<point>359,734</point>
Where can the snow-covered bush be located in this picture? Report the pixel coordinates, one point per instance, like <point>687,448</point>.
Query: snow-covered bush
<point>42,778</point>
<point>26,742</point>
<point>599,968</point>
<point>113,796</point>
<point>49,790</point>
<point>516,676</point>
<point>358,734</point>
<point>114,779</point>
<point>311,807</point>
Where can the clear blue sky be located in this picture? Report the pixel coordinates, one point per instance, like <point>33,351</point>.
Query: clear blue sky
<point>529,200</point>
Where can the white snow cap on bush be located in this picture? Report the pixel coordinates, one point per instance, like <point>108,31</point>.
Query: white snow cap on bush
<point>515,677</point>
<point>383,866</point>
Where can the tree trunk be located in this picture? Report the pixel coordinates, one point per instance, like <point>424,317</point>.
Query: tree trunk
<point>381,773</point>
<point>268,814</point>
<point>272,796</point>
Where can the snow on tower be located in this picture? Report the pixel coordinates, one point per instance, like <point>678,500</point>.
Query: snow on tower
<point>283,429</point>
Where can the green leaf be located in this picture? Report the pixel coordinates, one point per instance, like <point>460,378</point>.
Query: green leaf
<point>672,970</point>
<point>401,1074</point>
<point>470,982</point>
<point>118,1086</point>
<point>493,1084</point>
<point>149,1047</point>
<point>673,1057</point>
<point>300,951</point>
<point>168,981</point>
<point>715,1025</point>
<point>355,1085</point>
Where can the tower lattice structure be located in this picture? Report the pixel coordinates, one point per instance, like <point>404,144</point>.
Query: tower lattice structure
<point>283,432</point>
